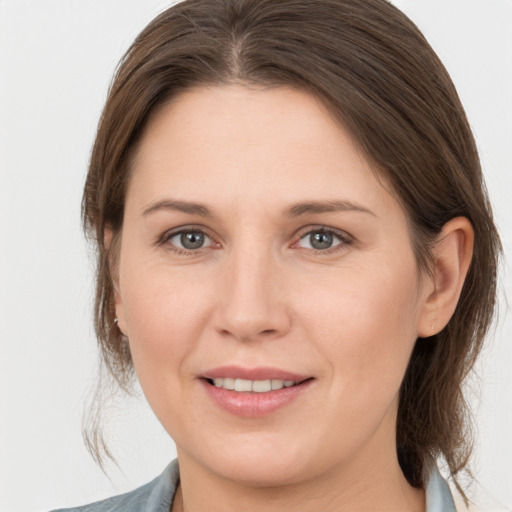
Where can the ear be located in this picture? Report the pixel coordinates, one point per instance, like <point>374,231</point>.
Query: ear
<point>113,245</point>
<point>452,255</point>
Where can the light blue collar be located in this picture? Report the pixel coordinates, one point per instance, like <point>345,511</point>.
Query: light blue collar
<point>439,497</point>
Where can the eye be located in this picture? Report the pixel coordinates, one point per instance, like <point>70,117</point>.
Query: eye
<point>188,239</point>
<point>323,239</point>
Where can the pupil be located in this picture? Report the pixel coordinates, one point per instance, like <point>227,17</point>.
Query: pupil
<point>192,240</point>
<point>321,240</point>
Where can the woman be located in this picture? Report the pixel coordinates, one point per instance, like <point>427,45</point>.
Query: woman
<point>296,255</point>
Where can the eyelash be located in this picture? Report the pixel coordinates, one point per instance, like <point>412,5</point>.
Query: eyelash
<point>167,236</point>
<point>344,240</point>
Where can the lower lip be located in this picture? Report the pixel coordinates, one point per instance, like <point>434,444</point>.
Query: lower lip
<point>254,405</point>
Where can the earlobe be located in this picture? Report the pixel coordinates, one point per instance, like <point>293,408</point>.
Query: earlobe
<point>452,255</point>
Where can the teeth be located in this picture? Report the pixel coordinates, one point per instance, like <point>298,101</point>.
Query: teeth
<point>229,383</point>
<point>277,384</point>
<point>261,386</point>
<point>255,386</point>
<point>243,385</point>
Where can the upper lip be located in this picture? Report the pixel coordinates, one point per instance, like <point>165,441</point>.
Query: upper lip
<point>256,373</point>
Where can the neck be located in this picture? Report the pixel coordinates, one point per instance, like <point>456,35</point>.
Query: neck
<point>355,487</point>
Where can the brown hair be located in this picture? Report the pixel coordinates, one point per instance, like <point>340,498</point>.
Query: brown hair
<point>376,72</point>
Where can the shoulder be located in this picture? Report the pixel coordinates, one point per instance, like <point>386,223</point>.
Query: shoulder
<point>155,496</point>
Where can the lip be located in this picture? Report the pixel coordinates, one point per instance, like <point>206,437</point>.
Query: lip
<point>254,405</point>
<point>258,373</point>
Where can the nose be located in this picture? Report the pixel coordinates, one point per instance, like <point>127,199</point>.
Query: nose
<point>253,300</point>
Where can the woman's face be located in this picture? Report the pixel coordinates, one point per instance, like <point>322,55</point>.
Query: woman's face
<point>260,252</point>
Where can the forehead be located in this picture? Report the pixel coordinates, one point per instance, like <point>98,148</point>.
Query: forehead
<point>238,142</point>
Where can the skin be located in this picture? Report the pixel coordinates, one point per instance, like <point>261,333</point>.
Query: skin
<point>257,293</point>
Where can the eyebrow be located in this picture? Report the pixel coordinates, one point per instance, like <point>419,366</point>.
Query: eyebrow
<point>296,210</point>
<point>309,207</point>
<point>178,206</point>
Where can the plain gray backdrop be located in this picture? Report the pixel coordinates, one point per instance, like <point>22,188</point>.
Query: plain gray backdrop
<point>56,61</point>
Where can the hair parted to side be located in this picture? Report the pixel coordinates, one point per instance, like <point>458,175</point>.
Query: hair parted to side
<point>378,75</point>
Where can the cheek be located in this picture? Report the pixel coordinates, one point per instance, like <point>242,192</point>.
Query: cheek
<point>165,312</point>
<point>364,321</point>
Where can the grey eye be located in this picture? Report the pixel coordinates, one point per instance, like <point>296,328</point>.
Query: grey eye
<point>189,240</point>
<point>321,239</point>
<point>192,240</point>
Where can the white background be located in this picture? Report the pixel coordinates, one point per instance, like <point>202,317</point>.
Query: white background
<point>56,60</point>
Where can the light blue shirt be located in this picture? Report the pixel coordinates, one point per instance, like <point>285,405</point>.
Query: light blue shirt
<point>157,495</point>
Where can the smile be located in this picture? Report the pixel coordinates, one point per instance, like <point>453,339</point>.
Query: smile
<point>252,386</point>
<point>254,392</point>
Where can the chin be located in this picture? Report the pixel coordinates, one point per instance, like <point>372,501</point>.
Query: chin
<point>262,473</point>
<point>256,463</point>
